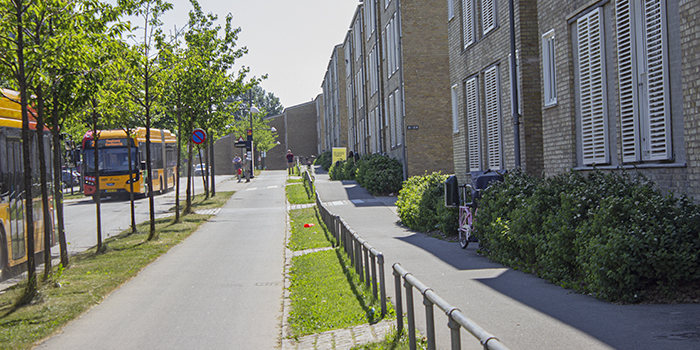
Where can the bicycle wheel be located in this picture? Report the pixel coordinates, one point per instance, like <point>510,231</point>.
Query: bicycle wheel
<point>465,233</point>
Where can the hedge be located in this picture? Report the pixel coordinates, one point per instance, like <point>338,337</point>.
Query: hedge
<point>610,235</point>
<point>421,205</point>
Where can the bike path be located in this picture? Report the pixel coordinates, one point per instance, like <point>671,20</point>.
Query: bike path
<point>221,288</point>
<point>521,310</point>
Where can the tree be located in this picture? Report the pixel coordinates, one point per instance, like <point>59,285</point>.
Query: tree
<point>147,87</point>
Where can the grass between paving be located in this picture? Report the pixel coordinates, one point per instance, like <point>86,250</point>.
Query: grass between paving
<point>316,236</point>
<point>91,277</point>
<point>298,194</point>
<point>327,294</point>
<point>393,341</point>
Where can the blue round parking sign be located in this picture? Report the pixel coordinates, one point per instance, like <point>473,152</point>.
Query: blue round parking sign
<point>199,136</point>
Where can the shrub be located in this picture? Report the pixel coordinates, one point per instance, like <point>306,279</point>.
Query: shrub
<point>343,170</point>
<point>324,160</point>
<point>610,235</point>
<point>379,174</point>
<point>421,205</point>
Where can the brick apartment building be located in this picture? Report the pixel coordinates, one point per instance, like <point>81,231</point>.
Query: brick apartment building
<point>620,88</point>
<point>397,83</point>
<point>603,85</point>
<point>296,130</point>
<point>480,80</point>
<point>333,118</point>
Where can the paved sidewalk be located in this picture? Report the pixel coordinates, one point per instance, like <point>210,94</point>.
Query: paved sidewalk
<point>221,288</point>
<point>521,310</point>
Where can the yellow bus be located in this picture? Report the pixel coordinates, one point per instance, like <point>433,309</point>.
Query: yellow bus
<point>13,228</point>
<point>113,146</point>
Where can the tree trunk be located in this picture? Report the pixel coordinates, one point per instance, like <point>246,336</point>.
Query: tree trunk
<point>47,219</point>
<point>97,196</point>
<point>177,170</point>
<point>31,289</point>
<point>132,178</point>
<point>58,192</point>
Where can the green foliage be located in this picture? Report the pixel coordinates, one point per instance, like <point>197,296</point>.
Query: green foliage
<point>324,160</point>
<point>343,170</point>
<point>421,205</point>
<point>379,174</point>
<point>610,235</point>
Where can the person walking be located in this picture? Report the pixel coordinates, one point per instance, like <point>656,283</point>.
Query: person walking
<point>238,167</point>
<point>290,161</point>
<point>246,167</point>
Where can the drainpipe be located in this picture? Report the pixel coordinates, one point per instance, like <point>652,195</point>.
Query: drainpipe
<point>514,87</point>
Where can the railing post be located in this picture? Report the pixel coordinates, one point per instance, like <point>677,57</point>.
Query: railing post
<point>410,314</point>
<point>454,331</point>
<point>429,321</point>
<point>358,255</point>
<point>382,282</point>
<point>367,266</point>
<point>399,303</point>
<point>374,277</point>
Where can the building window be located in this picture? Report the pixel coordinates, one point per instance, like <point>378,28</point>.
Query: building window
<point>398,113</point>
<point>492,90</point>
<point>455,109</point>
<point>473,117</point>
<point>549,69</point>
<point>392,42</point>
<point>370,19</point>
<point>450,9</point>
<point>489,20</point>
<point>468,31</point>
<point>644,80</point>
<point>592,88</point>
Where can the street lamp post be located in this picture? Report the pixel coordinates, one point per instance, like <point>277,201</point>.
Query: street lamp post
<point>252,110</point>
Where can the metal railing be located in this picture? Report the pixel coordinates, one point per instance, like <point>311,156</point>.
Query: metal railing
<point>456,320</point>
<point>365,258</point>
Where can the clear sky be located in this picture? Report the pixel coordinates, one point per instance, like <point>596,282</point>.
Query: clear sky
<point>290,41</point>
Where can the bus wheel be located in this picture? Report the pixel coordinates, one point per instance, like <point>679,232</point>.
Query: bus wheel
<point>4,270</point>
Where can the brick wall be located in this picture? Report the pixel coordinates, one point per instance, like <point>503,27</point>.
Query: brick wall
<point>490,49</point>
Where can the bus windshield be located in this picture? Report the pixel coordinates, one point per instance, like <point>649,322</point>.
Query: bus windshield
<point>113,161</point>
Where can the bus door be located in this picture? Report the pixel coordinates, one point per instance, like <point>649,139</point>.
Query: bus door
<point>17,225</point>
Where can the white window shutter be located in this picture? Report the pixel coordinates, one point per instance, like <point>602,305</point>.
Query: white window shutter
<point>493,118</point>
<point>468,22</point>
<point>473,125</point>
<point>657,142</point>
<point>455,108</point>
<point>488,15</point>
<point>592,92</point>
<point>629,107</point>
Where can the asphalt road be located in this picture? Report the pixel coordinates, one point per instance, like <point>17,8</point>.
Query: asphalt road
<point>81,219</point>
<point>219,289</point>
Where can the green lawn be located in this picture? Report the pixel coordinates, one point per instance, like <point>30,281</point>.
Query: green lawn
<point>327,294</point>
<point>302,238</point>
<point>298,194</point>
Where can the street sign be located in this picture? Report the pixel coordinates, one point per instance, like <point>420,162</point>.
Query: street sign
<point>240,144</point>
<point>199,136</point>
<point>240,139</point>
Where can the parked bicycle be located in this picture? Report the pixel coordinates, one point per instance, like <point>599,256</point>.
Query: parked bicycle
<point>467,210</point>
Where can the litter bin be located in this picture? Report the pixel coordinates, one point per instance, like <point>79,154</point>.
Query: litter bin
<point>451,192</point>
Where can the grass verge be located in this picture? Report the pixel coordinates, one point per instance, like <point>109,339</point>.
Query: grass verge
<point>297,194</point>
<point>327,294</point>
<point>302,238</point>
<point>393,341</point>
<point>90,278</point>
